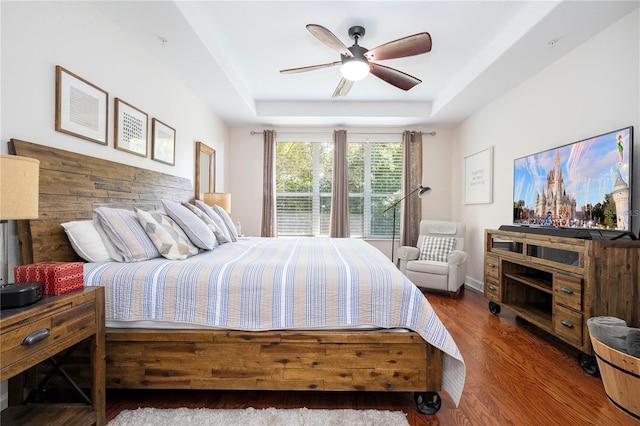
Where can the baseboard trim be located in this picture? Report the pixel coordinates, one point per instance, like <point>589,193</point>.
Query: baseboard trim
<point>474,284</point>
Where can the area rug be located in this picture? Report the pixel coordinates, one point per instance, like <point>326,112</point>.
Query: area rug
<point>258,417</point>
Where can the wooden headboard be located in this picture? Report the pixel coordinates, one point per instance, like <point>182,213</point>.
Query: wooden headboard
<point>73,185</point>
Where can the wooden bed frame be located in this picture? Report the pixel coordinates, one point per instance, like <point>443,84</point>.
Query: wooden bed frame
<point>72,185</point>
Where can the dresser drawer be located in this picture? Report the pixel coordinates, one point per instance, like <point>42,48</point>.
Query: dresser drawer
<point>491,267</point>
<point>35,340</point>
<point>567,291</point>
<point>567,324</point>
<point>492,289</point>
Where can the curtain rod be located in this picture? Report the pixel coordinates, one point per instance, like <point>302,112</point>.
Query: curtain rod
<point>433,133</point>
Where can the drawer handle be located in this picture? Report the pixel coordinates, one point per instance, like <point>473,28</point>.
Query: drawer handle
<point>567,323</point>
<point>492,288</point>
<point>36,337</point>
<point>492,265</point>
<point>566,290</point>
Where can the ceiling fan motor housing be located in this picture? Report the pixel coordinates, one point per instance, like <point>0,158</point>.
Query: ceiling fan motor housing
<point>358,54</point>
<point>356,32</point>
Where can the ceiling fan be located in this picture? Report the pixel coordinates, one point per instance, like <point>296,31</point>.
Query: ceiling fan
<point>357,62</point>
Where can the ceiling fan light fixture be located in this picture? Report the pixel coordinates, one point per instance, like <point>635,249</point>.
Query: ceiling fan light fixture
<point>357,61</point>
<point>354,69</point>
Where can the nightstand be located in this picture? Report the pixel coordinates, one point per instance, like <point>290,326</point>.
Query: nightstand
<point>34,333</point>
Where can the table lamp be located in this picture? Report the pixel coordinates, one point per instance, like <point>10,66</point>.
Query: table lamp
<point>19,186</point>
<point>222,199</point>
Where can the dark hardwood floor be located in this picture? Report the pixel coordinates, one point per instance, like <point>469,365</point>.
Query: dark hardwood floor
<point>516,375</point>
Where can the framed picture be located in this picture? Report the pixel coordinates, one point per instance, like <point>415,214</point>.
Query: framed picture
<point>163,142</point>
<point>131,128</point>
<point>478,177</point>
<point>81,107</point>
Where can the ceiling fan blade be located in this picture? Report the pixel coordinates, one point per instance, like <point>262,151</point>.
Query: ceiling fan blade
<point>328,38</point>
<point>343,88</point>
<point>407,46</point>
<point>310,68</point>
<point>394,77</point>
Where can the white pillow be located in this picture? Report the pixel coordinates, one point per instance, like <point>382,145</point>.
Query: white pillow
<point>197,231</point>
<point>217,230</point>
<point>127,234</point>
<point>227,221</point>
<point>216,219</point>
<point>86,241</point>
<point>166,234</point>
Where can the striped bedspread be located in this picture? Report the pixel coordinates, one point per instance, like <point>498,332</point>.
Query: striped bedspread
<point>259,284</point>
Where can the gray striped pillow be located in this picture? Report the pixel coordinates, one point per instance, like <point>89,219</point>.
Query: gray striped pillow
<point>126,234</point>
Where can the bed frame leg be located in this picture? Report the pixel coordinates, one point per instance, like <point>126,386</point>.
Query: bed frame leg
<point>428,402</point>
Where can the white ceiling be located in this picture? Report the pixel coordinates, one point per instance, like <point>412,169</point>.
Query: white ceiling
<point>230,53</point>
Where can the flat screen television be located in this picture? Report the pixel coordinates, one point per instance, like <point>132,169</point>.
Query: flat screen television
<point>584,184</point>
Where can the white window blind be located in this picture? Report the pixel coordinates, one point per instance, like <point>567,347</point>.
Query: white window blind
<point>304,169</point>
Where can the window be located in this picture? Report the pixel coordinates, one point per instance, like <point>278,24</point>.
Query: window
<point>375,182</point>
<point>304,170</point>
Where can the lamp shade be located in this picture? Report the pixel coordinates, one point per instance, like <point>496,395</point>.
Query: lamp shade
<point>19,185</point>
<point>221,199</point>
<point>423,190</point>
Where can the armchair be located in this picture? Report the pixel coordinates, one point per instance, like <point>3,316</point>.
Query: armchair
<point>439,261</point>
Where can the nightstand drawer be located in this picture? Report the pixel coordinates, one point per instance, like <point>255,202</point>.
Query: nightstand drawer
<point>40,338</point>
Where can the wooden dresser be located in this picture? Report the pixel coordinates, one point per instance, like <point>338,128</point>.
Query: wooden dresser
<point>34,333</point>
<point>558,283</point>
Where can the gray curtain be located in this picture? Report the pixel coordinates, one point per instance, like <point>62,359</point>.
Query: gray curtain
<point>411,179</point>
<point>268,227</point>
<point>340,190</point>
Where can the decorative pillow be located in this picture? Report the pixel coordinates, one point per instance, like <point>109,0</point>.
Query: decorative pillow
<point>113,251</point>
<point>197,231</point>
<point>216,218</point>
<point>227,221</point>
<point>126,234</point>
<point>215,228</point>
<point>166,234</point>
<point>86,241</point>
<point>436,248</point>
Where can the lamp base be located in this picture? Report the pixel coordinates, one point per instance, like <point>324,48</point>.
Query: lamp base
<point>16,295</point>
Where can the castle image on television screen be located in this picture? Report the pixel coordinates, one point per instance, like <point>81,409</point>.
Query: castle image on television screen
<point>584,184</point>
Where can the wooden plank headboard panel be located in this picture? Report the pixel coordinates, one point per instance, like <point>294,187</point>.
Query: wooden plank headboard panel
<point>73,185</point>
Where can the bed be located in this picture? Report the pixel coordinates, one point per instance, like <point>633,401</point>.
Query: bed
<point>382,336</point>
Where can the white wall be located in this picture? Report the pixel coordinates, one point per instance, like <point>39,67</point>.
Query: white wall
<point>592,90</point>
<point>244,166</point>
<point>37,36</point>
